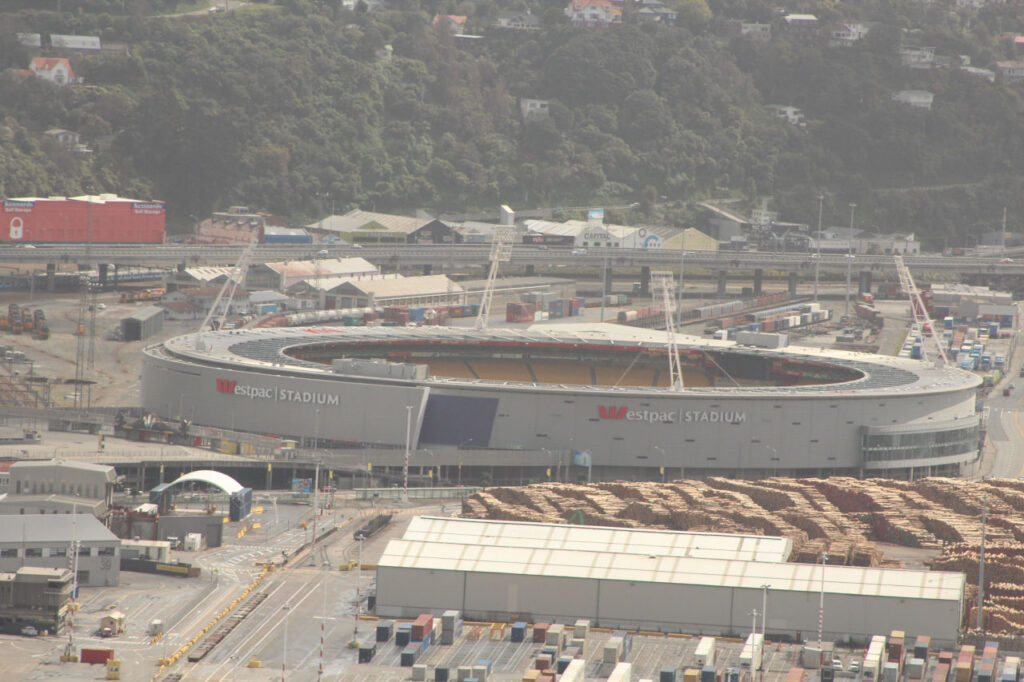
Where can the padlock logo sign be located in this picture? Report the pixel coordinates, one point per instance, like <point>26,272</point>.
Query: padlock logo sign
<point>17,228</point>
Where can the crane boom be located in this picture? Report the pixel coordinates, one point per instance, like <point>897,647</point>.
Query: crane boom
<point>922,322</point>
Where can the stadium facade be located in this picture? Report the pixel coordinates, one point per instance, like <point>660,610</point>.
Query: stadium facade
<point>554,395</point>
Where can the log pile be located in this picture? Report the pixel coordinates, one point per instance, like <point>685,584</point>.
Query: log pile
<point>840,517</point>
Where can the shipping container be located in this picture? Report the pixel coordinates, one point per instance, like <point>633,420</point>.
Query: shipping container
<point>922,646</point>
<point>96,655</point>
<point>540,632</point>
<point>709,674</point>
<point>98,219</point>
<point>518,632</point>
<point>705,654</point>
<point>668,674</point>
<point>750,657</point>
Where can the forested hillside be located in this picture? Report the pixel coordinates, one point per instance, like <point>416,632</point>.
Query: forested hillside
<point>278,106</point>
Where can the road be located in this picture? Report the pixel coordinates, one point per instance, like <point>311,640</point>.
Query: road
<point>469,255</point>
<point>1004,452</point>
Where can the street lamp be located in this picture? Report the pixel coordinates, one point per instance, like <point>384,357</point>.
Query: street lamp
<point>408,443</point>
<point>849,259</point>
<point>764,620</point>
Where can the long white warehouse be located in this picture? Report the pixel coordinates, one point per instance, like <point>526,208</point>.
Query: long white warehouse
<point>662,592</point>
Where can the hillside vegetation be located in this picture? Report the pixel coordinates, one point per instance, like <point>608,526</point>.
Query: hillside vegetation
<point>278,106</point>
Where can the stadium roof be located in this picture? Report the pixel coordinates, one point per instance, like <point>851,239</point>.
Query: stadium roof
<point>647,542</point>
<point>266,348</point>
<point>600,565</point>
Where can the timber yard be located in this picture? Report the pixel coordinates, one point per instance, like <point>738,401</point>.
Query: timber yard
<point>556,455</point>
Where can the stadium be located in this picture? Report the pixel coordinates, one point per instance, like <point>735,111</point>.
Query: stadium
<point>571,401</point>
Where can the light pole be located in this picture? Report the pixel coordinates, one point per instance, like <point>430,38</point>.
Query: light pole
<point>284,642</point>
<point>817,246</point>
<point>408,443</point>
<point>821,611</point>
<point>764,620</point>
<point>849,259</point>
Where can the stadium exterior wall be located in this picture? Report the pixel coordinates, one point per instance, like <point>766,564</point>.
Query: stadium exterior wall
<point>407,592</point>
<point>729,429</point>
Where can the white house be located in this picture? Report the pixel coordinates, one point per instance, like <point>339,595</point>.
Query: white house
<point>922,99</point>
<point>789,114</point>
<point>54,69</point>
<point>847,33</point>
<point>593,12</point>
<point>754,31</point>
<point>1011,69</point>
<point>533,109</point>
<point>917,57</point>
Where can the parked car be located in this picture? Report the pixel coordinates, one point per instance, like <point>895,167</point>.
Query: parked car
<point>29,631</point>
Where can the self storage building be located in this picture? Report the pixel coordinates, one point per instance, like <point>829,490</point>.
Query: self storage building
<point>662,592</point>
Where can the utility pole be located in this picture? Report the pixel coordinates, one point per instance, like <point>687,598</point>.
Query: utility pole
<point>817,244</point>
<point>981,565</point>
<point>408,444</point>
<point>316,510</point>
<point>764,621</point>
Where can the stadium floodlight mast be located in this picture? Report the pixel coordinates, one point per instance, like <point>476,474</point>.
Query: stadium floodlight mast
<point>664,285</point>
<point>501,252</point>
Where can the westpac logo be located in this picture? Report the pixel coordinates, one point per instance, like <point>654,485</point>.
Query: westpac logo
<point>612,412</point>
<point>226,385</point>
<point>618,412</point>
<point>255,392</point>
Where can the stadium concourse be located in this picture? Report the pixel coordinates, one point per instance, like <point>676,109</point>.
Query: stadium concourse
<point>589,400</point>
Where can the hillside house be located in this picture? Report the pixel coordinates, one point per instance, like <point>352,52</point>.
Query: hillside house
<point>922,99</point>
<point>54,69</point>
<point>848,33</point>
<point>789,114</point>
<point>917,57</point>
<point>1013,69</point>
<point>593,12</point>
<point>533,109</point>
<point>519,21</point>
<point>455,23</point>
<point>805,25</point>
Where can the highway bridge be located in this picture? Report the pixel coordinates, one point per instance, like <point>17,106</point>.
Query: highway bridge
<point>429,258</point>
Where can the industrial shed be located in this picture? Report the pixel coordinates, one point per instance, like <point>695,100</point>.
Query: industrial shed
<point>142,324</point>
<point>662,592</point>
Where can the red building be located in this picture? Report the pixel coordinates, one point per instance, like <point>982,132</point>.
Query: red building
<point>104,218</point>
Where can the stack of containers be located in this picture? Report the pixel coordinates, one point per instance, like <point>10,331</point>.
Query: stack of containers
<point>623,672</point>
<point>403,634</point>
<point>556,637</point>
<point>419,672</point>
<point>922,646</point>
<point>451,625</point>
<point>482,670</point>
<point>709,674</point>
<point>873,659</point>
<point>987,666</point>
<point>891,672</point>
<point>941,671</point>
<point>612,651</point>
<point>915,669</point>
<point>518,632</point>
<point>691,675</point>
<point>441,673</point>
<point>519,312</point>
<point>965,663</point>
<point>556,308</point>
<point>669,674</point>
<point>463,673</point>
<point>574,672</point>
<point>385,629</point>
<point>1011,669</point>
<point>367,651</point>
<point>579,633</point>
<point>540,632</point>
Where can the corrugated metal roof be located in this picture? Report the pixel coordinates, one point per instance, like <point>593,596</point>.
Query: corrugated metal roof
<point>327,266</point>
<point>648,542</point>
<point>40,528</point>
<point>353,220</point>
<point>847,580</point>
<point>426,285</point>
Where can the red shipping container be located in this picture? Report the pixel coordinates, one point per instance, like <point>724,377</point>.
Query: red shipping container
<point>540,632</point>
<point>96,655</point>
<point>105,218</point>
<point>542,662</point>
<point>421,626</point>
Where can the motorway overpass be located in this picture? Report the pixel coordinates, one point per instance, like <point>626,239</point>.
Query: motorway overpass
<point>429,258</point>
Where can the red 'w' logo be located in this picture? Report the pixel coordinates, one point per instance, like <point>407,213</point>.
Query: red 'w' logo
<point>225,386</point>
<point>612,412</point>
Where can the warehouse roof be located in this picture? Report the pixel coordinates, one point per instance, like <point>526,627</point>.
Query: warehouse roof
<point>369,220</point>
<point>214,478</point>
<point>425,285</point>
<point>40,528</point>
<point>147,313</point>
<point>648,542</point>
<point>325,266</point>
<point>601,565</point>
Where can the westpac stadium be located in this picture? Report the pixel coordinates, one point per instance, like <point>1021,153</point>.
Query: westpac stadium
<point>521,402</point>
